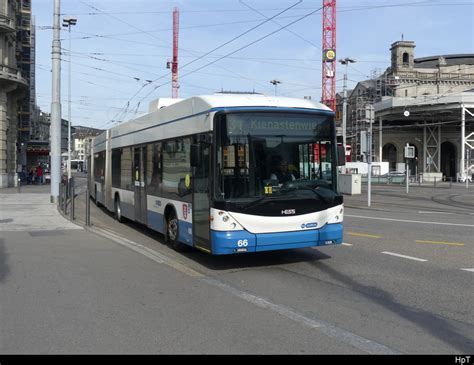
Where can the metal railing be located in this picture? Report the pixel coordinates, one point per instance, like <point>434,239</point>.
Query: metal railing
<point>67,200</point>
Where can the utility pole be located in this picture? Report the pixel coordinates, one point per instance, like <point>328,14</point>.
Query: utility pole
<point>345,61</point>
<point>369,117</point>
<point>55,133</point>
<point>275,83</point>
<point>67,23</point>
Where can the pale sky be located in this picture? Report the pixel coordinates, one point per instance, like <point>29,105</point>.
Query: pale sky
<point>120,46</point>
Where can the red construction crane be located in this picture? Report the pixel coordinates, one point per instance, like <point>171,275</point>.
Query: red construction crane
<point>174,63</point>
<point>329,54</point>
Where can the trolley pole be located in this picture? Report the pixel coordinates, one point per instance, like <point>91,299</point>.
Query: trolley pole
<point>56,106</point>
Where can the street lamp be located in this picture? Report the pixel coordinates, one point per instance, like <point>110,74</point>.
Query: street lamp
<point>345,61</point>
<point>68,23</point>
<point>275,83</point>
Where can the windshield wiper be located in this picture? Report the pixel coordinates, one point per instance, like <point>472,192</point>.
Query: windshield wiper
<point>324,193</point>
<point>328,195</point>
<point>253,203</point>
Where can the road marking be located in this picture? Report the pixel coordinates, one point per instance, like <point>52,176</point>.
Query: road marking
<point>404,256</point>
<point>441,243</point>
<point>471,270</point>
<point>347,244</point>
<point>363,235</point>
<point>432,212</point>
<point>409,221</point>
<point>329,330</point>
<point>145,251</point>
<point>326,328</point>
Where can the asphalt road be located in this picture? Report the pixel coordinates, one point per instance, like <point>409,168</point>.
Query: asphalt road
<point>402,279</point>
<point>400,284</point>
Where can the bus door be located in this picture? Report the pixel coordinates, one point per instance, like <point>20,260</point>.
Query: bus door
<point>201,206</point>
<point>139,165</point>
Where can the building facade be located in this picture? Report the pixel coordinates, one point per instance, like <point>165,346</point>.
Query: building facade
<point>14,87</point>
<point>419,101</point>
<point>82,140</point>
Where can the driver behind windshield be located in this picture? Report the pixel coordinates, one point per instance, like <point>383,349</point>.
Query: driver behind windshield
<point>281,172</point>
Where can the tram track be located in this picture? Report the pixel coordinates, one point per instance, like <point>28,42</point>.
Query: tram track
<point>448,200</point>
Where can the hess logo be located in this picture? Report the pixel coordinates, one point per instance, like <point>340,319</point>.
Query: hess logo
<point>288,212</point>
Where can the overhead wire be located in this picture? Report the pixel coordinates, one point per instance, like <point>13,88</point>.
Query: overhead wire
<point>221,46</point>
<point>343,9</point>
<point>239,49</point>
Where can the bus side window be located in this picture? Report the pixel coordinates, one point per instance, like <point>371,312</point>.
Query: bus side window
<point>177,166</point>
<point>154,168</point>
<point>126,169</point>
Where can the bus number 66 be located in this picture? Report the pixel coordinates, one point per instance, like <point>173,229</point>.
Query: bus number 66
<point>242,243</point>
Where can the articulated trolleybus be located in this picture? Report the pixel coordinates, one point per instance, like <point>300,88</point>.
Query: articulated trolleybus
<point>225,173</point>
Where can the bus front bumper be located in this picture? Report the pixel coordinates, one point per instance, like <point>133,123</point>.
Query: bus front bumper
<point>231,242</point>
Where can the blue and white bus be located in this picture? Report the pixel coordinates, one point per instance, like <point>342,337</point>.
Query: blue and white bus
<point>225,173</point>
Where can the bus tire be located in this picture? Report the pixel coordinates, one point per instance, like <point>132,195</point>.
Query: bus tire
<point>118,210</point>
<point>172,233</point>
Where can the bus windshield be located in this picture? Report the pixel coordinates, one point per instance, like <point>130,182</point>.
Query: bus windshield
<point>274,154</point>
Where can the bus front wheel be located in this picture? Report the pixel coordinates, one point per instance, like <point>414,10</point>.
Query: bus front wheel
<point>172,233</point>
<point>118,210</point>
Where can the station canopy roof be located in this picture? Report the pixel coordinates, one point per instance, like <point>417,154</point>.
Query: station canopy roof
<point>430,108</point>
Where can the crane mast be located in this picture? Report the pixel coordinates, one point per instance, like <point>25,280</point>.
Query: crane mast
<point>328,96</point>
<point>174,63</point>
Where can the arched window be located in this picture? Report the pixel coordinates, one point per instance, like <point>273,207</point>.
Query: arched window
<point>406,59</point>
<point>389,153</point>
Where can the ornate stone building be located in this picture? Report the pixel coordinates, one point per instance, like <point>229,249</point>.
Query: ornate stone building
<point>422,102</point>
<point>14,85</point>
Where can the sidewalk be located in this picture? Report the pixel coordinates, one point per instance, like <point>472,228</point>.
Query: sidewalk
<point>31,210</point>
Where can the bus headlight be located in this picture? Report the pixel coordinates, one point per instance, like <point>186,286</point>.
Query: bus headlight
<point>224,221</point>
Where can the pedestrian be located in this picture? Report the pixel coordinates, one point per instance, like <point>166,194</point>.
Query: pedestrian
<point>39,174</point>
<point>31,176</point>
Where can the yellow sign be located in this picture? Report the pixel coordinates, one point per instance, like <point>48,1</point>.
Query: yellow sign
<point>268,190</point>
<point>187,181</point>
<point>330,55</point>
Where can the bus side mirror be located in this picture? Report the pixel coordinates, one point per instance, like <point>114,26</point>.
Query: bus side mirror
<point>341,156</point>
<point>196,155</point>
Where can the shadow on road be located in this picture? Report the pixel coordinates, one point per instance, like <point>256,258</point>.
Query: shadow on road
<point>437,326</point>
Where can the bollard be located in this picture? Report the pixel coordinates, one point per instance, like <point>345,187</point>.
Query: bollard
<point>450,182</point>
<point>60,201</point>
<point>435,181</point>
<point>88,208</point>
<point>19,185</point>
<point>63,198</point>
<point>71,212</point>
